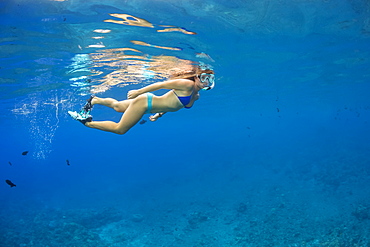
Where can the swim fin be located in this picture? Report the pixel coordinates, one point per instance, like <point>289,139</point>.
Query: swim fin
<point>83,118</point>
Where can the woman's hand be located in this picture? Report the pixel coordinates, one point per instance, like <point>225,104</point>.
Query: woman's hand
<point>132,94</point>
<point>156,116</point>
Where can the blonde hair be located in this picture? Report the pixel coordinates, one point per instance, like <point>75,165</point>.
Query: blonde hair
<point>192,73</point>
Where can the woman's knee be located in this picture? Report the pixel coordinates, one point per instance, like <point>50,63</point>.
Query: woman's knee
<point>119,130</point>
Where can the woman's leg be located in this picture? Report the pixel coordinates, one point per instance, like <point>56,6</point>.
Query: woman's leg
<point>135,110</point>
<point>119,106</point>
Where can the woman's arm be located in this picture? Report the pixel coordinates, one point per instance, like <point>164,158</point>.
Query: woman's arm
<point>178,84</point>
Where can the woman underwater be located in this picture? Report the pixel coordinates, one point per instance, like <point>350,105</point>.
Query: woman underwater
<point>184,91</point>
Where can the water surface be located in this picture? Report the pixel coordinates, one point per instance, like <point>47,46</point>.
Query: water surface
<point>275,155</point>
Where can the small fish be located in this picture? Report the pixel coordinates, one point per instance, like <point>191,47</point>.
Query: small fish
<point>10,163</point>
<point>25,153</point>
<point>10,183</point>
<point>68,164</point>
<point>278,110</point>
<point>142,121</point>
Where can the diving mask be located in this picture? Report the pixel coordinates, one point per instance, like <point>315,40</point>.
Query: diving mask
<point>208,79</point>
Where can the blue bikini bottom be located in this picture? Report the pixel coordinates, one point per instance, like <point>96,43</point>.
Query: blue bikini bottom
<point>150,99</point>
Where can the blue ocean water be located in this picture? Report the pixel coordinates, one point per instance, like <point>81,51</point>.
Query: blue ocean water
<point>277,154</point>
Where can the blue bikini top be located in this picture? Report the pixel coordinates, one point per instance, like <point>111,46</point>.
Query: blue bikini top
<point>185,100</point>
